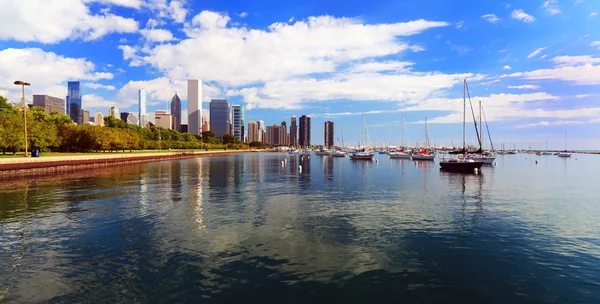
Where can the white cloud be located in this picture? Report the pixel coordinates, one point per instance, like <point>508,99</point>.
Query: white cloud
<point>506,67</point>
<point>40,21</point>
<point>574,60</point>
<point>546,123</point>
<point>384,66</point>
<point>521,15</point>
<point>586,74</point>
<point>525,87</point>
<point>173,10</point>
<point>94,101</point>
<point>232,55</point>
<point>95,86</point>
<point>157,35</point>
<point>551,7</point>
<point>460,24</point>
<point>125,3</point>
<point>46,71</point>
<point>243,15</point>
<point>490,18</point>
<point>593,14</point>
<point>536,52</point>
<point>595,44</point>
<point>583,96</point>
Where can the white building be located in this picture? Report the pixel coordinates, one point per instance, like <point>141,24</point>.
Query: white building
<point>114,112</point>
<point>194,106</point>
<point>261,130</point>
<point>99,119</point>
<point>162,119</point>
<point>142,108</point>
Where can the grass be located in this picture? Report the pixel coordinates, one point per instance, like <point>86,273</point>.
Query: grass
<point>3,294</point>
<point>42,154</point>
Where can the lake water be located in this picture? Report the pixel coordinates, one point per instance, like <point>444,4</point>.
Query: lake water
<point>245,229</point>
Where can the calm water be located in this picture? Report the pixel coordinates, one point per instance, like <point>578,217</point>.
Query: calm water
<point>243,228</point>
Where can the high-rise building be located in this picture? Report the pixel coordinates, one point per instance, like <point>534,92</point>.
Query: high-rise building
<point>129,118</point>
<point>85,114</point>
<point>293,132</point>
<point>49,103</point>
<point>304,131</point>
<point>219,117</point>
<point>142,108</point>
<point>328,136</point>
<point>194,106</point>
<point>176,113</point>
<point>98,119</point>
<point>283,133</point>
<point>275,135</point>
<point>67,111</point>
<point>162,119</point>
<point>253,132</point>
<point>205,124</point>
<point>261,130</point>
<point>74,96</point>
<point>238,122</point>
<point>114,112</point>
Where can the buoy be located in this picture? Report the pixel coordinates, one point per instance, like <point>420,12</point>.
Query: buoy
<point>476,170</point>
<point>376,161</point>
<point>300,168</point>
<point>536,162</point>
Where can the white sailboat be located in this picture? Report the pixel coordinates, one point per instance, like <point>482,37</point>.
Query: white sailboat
<point>401,153</point>
<point>425,154</point>
<point>565,153</point>
<point>364,154</point>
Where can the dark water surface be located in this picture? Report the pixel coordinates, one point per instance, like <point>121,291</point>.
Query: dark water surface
<point>243,228</point>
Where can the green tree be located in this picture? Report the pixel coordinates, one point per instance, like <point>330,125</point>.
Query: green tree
<point>6,107</point>
<point>11,133</point>
<point>228,139</point>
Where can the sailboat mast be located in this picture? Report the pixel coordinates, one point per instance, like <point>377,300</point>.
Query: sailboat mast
<point>364,139</point>
<point>465,115</point>
<point>402,131</point>
<point>480,127</point>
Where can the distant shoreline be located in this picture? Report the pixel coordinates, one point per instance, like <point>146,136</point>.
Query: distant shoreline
<point>43,164</point>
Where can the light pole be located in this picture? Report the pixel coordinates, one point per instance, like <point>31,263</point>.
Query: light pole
<point>23,84</point>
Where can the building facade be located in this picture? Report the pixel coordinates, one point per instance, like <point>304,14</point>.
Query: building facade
<point>205,124</point>
<point>293,132</point>
<point>252,132</point>
<point>114,112</point>
<point>238,122</point>
<point>49,103</point>
<point>261,130</point>
<point>74,97</point>
<point>194,106</point>
<point>283,135</point>
<point>328,136</point>
<point>304,131</point>
<point>163,119</point>
<point>99,119</point>
<point>176,113</point>
<point>129,118</point>
<point>143,116</point>
<point>85,115</point>
<point>220,117</point>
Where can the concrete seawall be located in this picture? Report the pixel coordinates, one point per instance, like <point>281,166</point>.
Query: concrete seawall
<point>50,163</point>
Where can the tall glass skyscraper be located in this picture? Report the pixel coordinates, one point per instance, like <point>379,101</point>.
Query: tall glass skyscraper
<point>238,122</point>
<point>176,113</point>
<point>142,108</point>
<point>220,117</point>
<point>304,136</point>
<point>74,100</point>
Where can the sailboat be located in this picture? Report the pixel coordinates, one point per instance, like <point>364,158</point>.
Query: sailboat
<point>401,153</point>
<point>546,152</point>
<point>340,152</point>
<point>486,157</point>
<point>425,154</point>
<point>565,153</point>
<point>463,164</point>
<point>364,154</point>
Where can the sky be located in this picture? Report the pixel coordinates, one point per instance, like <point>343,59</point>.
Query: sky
<point>533,64</point>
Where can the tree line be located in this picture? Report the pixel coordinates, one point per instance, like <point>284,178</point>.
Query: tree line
<point>57,132</point>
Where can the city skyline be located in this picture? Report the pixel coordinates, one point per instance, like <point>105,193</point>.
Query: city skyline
<point>533,64</point>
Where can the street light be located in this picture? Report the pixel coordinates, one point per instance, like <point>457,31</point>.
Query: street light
<point>23,84</point>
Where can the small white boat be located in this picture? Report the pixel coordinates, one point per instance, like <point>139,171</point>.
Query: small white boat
<point>339,153</point>
<point>305,152</point>
<point>362,155</point>
<point>323,152</point>
<point>399,155</point>
<point>423,156</point>
<point>293,152</point>
<point>564,154</point>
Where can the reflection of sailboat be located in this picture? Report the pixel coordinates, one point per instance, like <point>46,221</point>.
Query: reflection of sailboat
<point>401,153</point>
<point>463,164</point>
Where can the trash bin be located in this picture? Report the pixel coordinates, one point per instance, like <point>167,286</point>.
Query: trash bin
<point>35,152</point>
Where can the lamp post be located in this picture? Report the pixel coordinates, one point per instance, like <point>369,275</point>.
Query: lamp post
<point>23,84</point>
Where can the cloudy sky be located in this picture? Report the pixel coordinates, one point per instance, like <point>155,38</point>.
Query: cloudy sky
<point>535,65</point>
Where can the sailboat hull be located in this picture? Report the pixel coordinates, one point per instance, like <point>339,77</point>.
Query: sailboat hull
<point>458,166</point>
<point>423,157</point>
<point>362,157</point>
<point>400,155</point>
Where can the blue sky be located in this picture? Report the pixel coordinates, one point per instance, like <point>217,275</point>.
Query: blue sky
<point>535,65</point>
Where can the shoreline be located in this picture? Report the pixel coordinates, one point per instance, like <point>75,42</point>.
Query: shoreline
<point>43,164</point>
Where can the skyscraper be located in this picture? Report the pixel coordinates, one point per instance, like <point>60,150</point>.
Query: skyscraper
<point>129,118</point>
<point>273,135</point>
<point>252,132</point>
<point>114,112</point>
<point>304,131</point>
<point>142,108</point>
<point>205,124</point>
<point>328,136</point>
<point>219,117</point>
<point>283,133</point>
<point>74,97</point>
<point>85,117</point>
<point>98,119</point>
<point>194,106</point>
<point>293,132</point>
<point>176,113</point>
<point>162,119</point>
<point>237,112</point>
<point>261,130</point>
<point>49,103</point>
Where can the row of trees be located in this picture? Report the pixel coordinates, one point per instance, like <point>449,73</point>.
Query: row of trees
<point>57,132</point>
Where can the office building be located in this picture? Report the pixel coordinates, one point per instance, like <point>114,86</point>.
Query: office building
<point>98,118</point>
<point>283,133</point>
<point>49,103</point>
<point>176,113</point>
<point>184,128</point>
<point>261,130</point>
<point>238,122</point>
<point>328,136</point>
<point>129,118</point>
<point>205,124</point>
<point>253,132</point>
<point>74,97</point>
<point>293,132</point>
<point>275,135</point>
<point>304,131</point>
<point>219,117</point>
<point>85,116</point>
<point>162,119</point>
<point>194,106</point>
<point>142,108</point>
<point>114,112</point>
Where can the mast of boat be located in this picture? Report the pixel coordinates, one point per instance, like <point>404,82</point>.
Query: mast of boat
<point>342,133</point>
<point>546,144</point>
<point>480,127</point>
<point>426,135</point>
<point>402,131</point>
<point>465,115</point>
<point>363,140</point>
<point>565,141</point>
